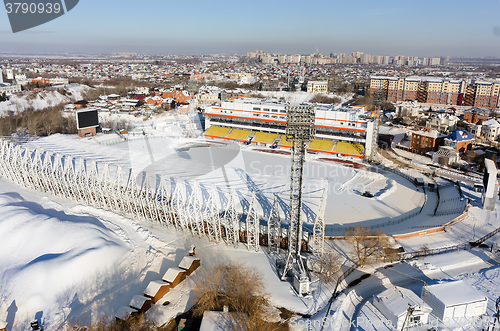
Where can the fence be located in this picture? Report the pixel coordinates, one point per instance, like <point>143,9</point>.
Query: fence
<point>158,199</point>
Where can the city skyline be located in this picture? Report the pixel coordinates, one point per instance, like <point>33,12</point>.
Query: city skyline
<point>458,28</point>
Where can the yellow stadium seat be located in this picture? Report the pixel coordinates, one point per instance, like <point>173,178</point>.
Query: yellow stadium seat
<point>321,145</point>
<point>285,142</point>
<point>217,131</point>
<point>237,134</point>
<point>264,137</point>
<point>346,148</point>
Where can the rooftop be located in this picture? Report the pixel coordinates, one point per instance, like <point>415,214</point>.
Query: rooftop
<point>397,299</point>
<point>455,293</point>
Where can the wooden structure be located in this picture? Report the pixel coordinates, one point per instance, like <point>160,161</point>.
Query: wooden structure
<point>141,303</point>
<point>124,312</point>
<point>190,264</point>
<point>174,276</point>
<point>156,290</point>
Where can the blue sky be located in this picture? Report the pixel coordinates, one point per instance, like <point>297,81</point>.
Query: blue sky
<point>383,27</point>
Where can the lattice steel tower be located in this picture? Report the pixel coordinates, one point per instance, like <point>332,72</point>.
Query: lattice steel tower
<point>299,130</point>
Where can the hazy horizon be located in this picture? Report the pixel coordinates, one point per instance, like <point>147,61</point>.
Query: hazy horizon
<point>450,28</point>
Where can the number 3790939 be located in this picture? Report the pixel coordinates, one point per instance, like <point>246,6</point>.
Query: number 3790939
<point>32,8</point>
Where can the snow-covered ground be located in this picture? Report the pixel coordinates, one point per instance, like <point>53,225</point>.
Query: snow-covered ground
<point>246,169</point>
<point>42,99</point>
<point>65,262</point>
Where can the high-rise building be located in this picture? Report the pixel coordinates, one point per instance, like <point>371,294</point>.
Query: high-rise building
<point>436,91</point>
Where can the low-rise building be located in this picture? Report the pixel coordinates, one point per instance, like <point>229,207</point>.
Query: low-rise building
<point>475,115</point>
<point>460,141</point>
<point>394,304</point>
<point>426,141</point>
<point>444,123</point>
<point>454,300</point>
<point>407,109</point>
<point>317,86</point>
<point>9,88</point>
<point>490,129</point>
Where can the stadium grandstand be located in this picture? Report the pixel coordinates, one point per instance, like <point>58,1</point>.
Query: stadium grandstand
<point>345,131</point>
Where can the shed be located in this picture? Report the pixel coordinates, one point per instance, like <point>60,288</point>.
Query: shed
<point>174,276</point>
<point>156,290</point>
<point>419,181</point>
<point>454,300</point>
<point>141,303</point>
<point>125,312</point>
<point>394,302</point>
<point>190,264</point>
<point>301,283</point>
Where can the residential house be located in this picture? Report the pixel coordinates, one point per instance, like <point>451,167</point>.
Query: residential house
<point>459,140</point>
<point>475,114</point>
<point>490,129</point>
<point>426,141</point>
<point>444,123</point>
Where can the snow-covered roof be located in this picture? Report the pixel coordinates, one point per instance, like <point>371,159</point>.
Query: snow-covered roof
<point>171,274</point>
<point>122,313</point>
<point>460,135</point>
<point>138,301</point>
<point>455,293</point>
<point>397,299</point>
<point>491,123</point>
<point>430,134</point>
<point>3,324</point>
<point>217,321</point>
<point>153,287</point>
<point>187,261</point>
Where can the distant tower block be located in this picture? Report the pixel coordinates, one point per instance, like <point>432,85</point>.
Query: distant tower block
<point>490,183</point>
<point>10,73</point>
<point>1,76</point>
<point>299,130</point>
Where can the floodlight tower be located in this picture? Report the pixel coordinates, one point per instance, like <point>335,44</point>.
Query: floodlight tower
<point>299,130</point>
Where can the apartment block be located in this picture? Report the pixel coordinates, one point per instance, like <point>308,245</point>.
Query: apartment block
<point>435,90</point>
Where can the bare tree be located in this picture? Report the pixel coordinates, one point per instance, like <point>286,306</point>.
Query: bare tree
<point>238,287</point>
<point>424,251</point>
<point>329,267</point>
<point>367,244</point>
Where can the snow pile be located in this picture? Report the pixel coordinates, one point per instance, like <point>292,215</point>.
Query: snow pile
<point>50,259</point>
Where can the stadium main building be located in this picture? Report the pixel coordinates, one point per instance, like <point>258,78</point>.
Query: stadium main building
<point>342,131</point>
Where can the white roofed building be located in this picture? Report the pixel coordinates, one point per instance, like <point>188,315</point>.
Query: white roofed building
<point>454,300</point>
<point>394,302</point>
<point>490,129</point>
